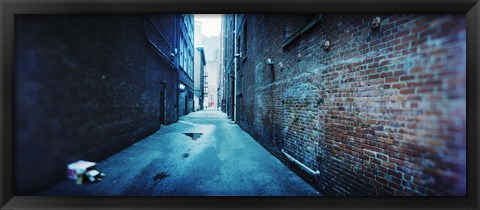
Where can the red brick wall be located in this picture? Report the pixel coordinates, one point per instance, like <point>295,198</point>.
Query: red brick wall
<point>380,113</point>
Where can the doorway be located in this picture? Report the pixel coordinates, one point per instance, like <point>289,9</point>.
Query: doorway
<point>162,104</point>
<point>186,104</point>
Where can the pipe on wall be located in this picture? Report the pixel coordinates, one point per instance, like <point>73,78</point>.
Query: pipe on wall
<point>235,59</point>
<point>301,165</point>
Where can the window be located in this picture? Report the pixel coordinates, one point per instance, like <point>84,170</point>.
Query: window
<point>233,45</point>
<point>241,84</point>
<point>185,56</point>
<point>238,45</point>
<point>181,54</point>
<point>296,25</point>
<point>244,40</point>
<point>216,54</point>
<point>191,67</point>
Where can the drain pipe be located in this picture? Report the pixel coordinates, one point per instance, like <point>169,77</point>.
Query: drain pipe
<point>234,117</point>
<point>301,165</point>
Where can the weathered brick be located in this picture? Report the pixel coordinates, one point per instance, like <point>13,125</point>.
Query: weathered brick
<point>407,91</point>
<point>382,156</point>
<point>391,79</point>
<point>379,96</point>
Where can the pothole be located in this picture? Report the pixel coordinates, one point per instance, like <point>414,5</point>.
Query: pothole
<point>194,136</point>
<point>160,176</point>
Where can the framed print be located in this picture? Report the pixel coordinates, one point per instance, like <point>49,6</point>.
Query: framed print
<point>239,104</point>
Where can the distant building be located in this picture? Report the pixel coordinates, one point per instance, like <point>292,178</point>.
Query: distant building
<point>199,67</point>
<point>221,72</point>
<point>185,64</point>
<point>230,27</point>
<point>212,56</point>
<point>198,37</point>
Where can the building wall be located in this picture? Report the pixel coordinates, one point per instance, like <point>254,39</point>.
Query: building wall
<point>162,32</point>
<point>199,66</point>
<point>379,113</point>
<point>221,78</point>
<point>186,61</point>
<point>228,64</point>
<point>212,57</point>
<point>198,37</point>
<point>85,88</point>
<point>185,98</point>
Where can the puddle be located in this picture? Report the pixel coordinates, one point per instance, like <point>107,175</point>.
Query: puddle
<point>194,136</point>
<point>160,176</point>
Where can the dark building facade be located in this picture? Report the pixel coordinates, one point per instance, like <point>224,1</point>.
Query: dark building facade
<point>199,76</point>
<point>185,64</point>
<point>376,111</point>
<point>89,86</point>
<point>230,25</point>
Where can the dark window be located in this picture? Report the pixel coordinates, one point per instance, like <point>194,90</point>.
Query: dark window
<point>244,40</point>
<point>241,83</point>
<point>238,49</point>
<point>296,25</point>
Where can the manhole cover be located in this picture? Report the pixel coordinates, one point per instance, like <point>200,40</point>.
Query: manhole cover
<point>160,176</point>
<point>194,136</point>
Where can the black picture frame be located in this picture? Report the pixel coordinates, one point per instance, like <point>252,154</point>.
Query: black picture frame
<point>9,8</point>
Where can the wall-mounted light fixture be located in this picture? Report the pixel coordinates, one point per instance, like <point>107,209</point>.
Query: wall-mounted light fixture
<point>376,22</point>
<point>326,45</point>
<point>269,62</point>
<point>181,87</point>
<point>299,57</point>
<point>173,52</point>
<point>280,65</point>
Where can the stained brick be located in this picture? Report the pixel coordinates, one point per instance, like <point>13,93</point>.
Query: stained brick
<point>394,80</point>
<point>391,79</point>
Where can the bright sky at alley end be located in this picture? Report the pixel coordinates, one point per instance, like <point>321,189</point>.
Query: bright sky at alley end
<point>210,23</point>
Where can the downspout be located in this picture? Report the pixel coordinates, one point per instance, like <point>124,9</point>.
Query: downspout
<point>234,117</point>
<point>177,68</point>
<point>301,165</point>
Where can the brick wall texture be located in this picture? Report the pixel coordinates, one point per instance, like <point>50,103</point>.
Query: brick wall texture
<point>382,112</point>
<point>85,88</point>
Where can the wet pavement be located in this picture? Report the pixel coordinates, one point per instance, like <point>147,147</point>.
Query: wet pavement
<point>203,154</point>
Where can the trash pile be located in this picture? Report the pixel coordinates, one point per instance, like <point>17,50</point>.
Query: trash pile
<point>82,171</point>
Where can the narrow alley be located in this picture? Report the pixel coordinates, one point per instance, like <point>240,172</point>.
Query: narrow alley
<point>222,160</point>
<point>240,105</point>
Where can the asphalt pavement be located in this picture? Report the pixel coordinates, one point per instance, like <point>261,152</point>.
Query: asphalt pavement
<point>203,154</point>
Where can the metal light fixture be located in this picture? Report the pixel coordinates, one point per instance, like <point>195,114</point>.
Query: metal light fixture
<point>181,87</point>
<point>326,45</point>
<point>269,62</point>
<point>376,22</point>
<point>173,52</point>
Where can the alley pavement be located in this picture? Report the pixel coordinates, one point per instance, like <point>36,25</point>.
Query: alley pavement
<point>221,161</point>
